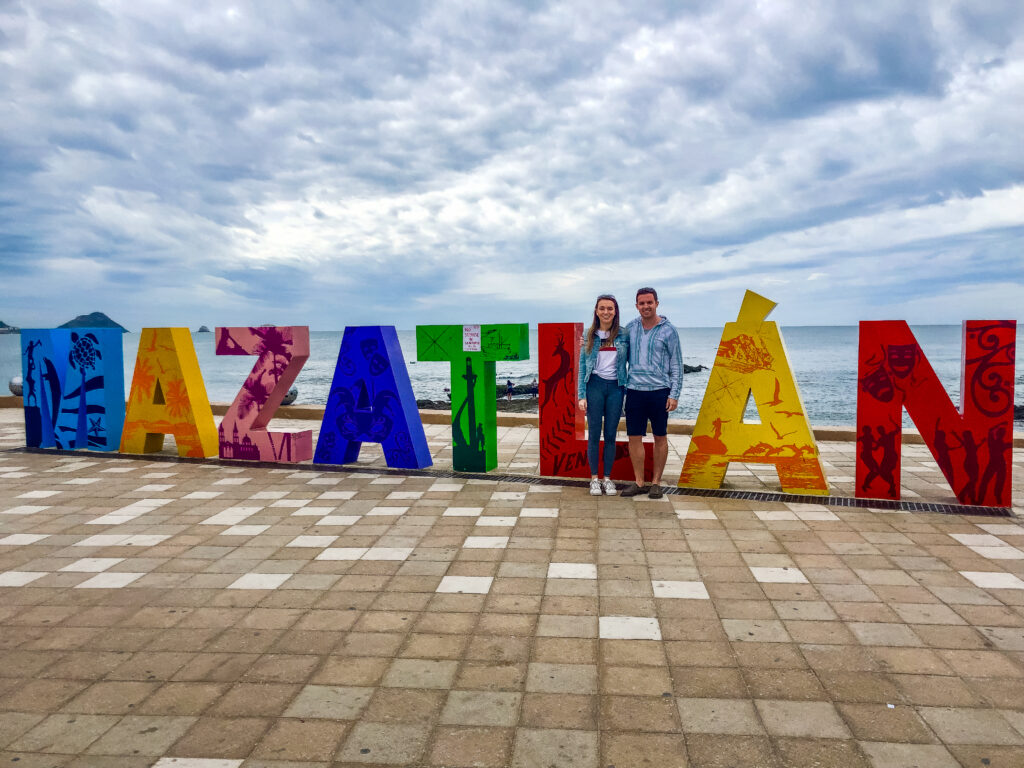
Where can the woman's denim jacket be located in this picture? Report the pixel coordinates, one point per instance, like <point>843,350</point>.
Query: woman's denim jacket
<point>588,362</point>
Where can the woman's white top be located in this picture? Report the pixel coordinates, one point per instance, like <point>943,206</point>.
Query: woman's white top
<point>605,367</point>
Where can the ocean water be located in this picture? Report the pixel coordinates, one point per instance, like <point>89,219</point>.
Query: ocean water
<point>823,358</point>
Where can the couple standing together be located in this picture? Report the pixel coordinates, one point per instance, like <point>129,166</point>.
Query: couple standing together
<point>641,363</point>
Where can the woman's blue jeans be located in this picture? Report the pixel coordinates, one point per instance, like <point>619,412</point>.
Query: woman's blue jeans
<point>604,404</point>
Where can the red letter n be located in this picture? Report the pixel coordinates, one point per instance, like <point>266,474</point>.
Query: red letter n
<point>972,445</point>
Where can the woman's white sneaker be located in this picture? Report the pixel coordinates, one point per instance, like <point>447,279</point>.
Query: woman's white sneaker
<point>609,488</point>
<point>595,487</point>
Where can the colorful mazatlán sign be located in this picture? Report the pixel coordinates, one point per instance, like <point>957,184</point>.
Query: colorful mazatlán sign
<point>74,398</point>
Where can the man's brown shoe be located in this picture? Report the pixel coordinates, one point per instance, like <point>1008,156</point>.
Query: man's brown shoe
<point>632,490</point>
<point>655,491</point>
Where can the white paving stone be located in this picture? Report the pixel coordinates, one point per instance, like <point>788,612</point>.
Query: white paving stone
<point>470,585</point>
<point>260,581</point>
<point>24,509</point>
<point>485,542</point>
<point>572,571</point>
<point>196,762</point>
<point>538,511</point>
<point>387,553</point>
<point>387,511</point>
<point>462,512</point>
<point>19,578</point>
<point>491,521</point>
<point>628,628</point>
<point>993,579</point>
<point>695,514</point>
<point>21,539</point>
<point>312,541</point>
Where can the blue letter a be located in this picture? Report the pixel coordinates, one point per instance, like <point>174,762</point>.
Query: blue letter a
<point>73,391</point>
<point>371,401</point>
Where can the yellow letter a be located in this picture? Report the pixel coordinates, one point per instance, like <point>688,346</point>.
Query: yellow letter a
<point>752,362</point>
<point>168,397</point>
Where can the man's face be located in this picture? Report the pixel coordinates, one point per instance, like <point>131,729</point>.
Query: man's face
<point>647,306</point>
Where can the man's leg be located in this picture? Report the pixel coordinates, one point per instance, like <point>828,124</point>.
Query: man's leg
<point>636,425</point>
<point>636,456</point>
<point>659,428</point>
<point>660,457</point>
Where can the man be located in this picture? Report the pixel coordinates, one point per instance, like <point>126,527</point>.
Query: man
<point>653,383</point>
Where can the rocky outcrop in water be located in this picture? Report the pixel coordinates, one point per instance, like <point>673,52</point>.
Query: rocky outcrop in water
<point>93,320</point>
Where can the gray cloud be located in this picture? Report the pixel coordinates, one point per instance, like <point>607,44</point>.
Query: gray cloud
<point>447,162</point>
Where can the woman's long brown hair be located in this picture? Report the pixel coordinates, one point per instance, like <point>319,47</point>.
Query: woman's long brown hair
<point>591,333</point>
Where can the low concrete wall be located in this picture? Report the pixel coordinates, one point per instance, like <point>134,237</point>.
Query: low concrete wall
<point>675,426</point>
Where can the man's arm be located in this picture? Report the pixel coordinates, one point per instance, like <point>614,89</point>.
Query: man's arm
<point>674,360</point>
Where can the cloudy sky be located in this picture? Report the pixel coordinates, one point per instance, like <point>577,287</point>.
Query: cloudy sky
<point>334,163</point>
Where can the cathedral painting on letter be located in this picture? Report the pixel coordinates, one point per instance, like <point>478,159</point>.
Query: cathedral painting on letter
<point>752,364</point>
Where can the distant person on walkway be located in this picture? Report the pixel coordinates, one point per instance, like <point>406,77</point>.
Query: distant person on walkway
<point>601,387</point>
<point>652,388</point>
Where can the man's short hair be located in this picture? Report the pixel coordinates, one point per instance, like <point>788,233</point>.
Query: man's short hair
<point>646,290</point>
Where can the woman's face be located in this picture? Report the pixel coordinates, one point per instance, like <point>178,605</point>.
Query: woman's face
<point>605,311</point>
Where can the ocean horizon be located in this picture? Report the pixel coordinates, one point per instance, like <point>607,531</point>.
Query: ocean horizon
<point>823,359</point>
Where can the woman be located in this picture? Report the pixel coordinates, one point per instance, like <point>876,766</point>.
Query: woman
<point>602,387</point>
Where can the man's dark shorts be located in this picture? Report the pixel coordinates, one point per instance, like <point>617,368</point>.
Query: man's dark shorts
<point>641,406</point>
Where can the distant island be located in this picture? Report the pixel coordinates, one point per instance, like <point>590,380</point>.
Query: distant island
<point>203,329</point>
<point>5,328</point>
<point>93,320</point>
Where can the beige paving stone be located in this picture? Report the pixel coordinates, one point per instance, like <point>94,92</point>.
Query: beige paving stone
<point>719,716</point>
<point>330,701</point>
<point>420,673</point>
<point>142,735</point>
<point>643,750</point>
<point>14,724</point>
<point>555,748</point>
<point>389,744</point>
<point>404,705</point>
<point>638,713</point>
<point>989,756</point>
<point>481,708</point>
<point>561,678</point>
<point>960,725</point>
<point>478,747</point>
<point>68,734</point>
<point>560,710</point>
<point>221,737</point>
<point>820,752</point>
<point>810,719</point>
<point>728,751</point>
<point>885,722</point>
<point>293,741</point>
<point>892,755</point>
<point>255,700</point>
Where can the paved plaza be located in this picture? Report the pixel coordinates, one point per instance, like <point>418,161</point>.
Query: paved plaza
<point>203,615</point>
